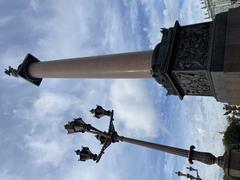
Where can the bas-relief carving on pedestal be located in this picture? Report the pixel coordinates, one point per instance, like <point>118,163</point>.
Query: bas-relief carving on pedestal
<point>194,83</point>
<point>191,60</point>
<point>192,52</point>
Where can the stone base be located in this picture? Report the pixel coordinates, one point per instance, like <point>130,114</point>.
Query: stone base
<point>232,57</point>
<point>232,164</point>
<point>225,57</point>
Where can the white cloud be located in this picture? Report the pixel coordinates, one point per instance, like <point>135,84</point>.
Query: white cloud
<point>6,175</point>
<point>92,172</point>
<point>170,12</point>
<point>155,21</point>
<point>34,4</point>
<point>187,12</point>
<point>191,12</point>
<point>90,29</point>
<point>168,167</point>
<point>5,20</point>
<point>47,151</point>
<point>46,141</point>
<point>133,107</point>
<point>49,107</point>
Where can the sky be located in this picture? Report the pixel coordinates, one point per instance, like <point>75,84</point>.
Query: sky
<point>34,143</point>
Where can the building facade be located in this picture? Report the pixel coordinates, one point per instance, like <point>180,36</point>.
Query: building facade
<point>217,6</point>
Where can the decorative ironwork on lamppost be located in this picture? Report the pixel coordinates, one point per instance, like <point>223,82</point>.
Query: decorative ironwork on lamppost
<point>229,161</point>
<point>188,176</point>
<point>191,169</point>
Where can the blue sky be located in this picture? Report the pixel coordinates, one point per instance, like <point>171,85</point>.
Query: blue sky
<point>34,142</point>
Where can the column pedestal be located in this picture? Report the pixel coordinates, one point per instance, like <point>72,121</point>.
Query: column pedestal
<point>201,59</point>
<point>232,57</point>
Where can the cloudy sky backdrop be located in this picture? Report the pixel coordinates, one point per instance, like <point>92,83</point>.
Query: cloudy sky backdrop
<point>34,144</point>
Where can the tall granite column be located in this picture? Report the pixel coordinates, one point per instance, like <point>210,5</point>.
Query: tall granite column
<point>124,65</point>
<point>197,60</point>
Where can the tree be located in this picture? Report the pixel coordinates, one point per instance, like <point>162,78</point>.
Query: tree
<point>232,134</point>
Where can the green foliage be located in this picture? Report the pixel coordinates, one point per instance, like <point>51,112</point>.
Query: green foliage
<point>232,134</point>
<point>230,178</point>
<point>231,119</point>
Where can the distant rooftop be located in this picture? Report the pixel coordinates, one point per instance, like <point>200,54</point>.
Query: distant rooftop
<point>214,7</point>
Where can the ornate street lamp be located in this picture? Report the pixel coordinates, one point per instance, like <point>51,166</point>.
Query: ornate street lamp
<point>86,154</point>
<point>100,112</point>
<point>77,125</point>
<point>230,161</point>
<point>190,168</point>
<point>105,138</point>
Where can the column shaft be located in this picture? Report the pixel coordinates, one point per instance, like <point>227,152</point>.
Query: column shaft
<point>125,65</point>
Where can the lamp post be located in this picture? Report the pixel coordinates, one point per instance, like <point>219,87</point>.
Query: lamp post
<point>229,161</point>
